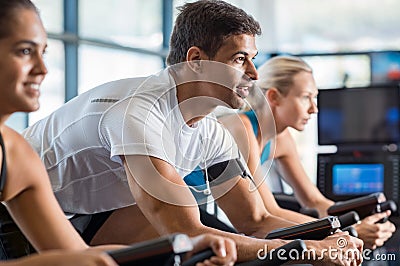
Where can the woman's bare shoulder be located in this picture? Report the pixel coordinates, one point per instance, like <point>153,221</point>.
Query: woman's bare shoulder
<point>13,140</point>
<point>236,122</point>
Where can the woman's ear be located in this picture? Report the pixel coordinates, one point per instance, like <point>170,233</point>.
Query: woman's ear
<point>273,96</point>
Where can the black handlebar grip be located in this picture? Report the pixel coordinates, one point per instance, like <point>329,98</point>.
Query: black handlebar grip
<point>348,219</point>
<point>199,257</point>
<point>352,231</point>
<point>388,205</point>
<point>384,206</point>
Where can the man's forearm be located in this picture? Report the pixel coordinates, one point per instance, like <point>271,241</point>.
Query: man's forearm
<point>261,227</point>
<point>292,216</point>
<point>248,248</point>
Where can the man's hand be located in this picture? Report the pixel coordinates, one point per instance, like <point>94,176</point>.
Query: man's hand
<point>337,249</point>
<point>223,248</point>
<point>375,234</point>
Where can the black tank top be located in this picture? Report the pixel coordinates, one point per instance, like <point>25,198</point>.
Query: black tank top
<point>3,166</point>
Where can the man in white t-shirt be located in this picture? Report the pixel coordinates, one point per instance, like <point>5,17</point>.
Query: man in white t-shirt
<point>129,143</point>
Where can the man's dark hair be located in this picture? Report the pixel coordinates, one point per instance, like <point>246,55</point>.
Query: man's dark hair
<point>9,11</point>
<point>206,24</point>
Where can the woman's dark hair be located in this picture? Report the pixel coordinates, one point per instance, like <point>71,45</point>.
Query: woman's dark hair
<point>206,24</point>
<point>9,10</point>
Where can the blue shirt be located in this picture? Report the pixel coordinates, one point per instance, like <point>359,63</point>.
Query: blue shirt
<point>254,123</point>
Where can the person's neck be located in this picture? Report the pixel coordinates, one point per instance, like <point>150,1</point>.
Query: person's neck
<point>267,126</point>
<point>193,105</point>
<point>279,127</point>
<point>3,119</point>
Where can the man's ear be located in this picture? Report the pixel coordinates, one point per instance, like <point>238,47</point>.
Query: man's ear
<point>273,96</point>
<point>193,58</point>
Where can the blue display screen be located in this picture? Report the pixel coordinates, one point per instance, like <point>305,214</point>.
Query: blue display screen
<point>354,179</point>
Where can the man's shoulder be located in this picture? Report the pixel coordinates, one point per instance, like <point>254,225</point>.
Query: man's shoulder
<point>156,84</point>
<point>116,87</point>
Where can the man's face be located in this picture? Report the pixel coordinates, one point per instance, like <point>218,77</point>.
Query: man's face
<point>231,80</point>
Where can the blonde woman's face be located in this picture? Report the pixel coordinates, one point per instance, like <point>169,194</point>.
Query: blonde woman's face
<point>296,107</point>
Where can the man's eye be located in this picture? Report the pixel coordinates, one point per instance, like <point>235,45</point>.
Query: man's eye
<point>26,51</point>
<point>240,60</point>
<point>44,53</point>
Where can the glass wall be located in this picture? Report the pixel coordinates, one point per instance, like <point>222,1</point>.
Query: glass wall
<point>114,39</point>
<point>123,38</point>
<point>340,25</point>
<point>98,65</point>
<point>133,23</point>
<point>51,12</point>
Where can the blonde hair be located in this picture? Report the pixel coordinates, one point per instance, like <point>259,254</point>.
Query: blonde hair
<point>277,73</point>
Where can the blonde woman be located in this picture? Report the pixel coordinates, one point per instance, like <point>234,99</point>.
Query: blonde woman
<point>289,91</point>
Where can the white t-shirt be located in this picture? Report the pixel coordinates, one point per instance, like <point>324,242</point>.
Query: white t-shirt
<point>80,143</point>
